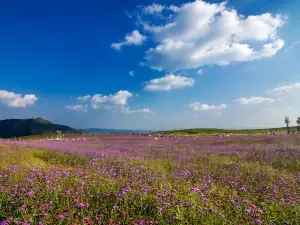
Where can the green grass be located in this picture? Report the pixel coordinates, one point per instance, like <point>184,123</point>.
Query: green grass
<point>215,131</point>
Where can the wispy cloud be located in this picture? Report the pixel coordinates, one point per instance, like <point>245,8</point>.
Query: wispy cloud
<point>84,98</point>
<point>128,110</point>
<point>201,71</point>
<point>131,73</point>
<point>284,89</point>
<point>169,82</point>
<point>153,9</point>
<point>197,106</point>
<point>254,100</point>
<point>293,45</point>
<point>78,108</point>
<point>128,14</point>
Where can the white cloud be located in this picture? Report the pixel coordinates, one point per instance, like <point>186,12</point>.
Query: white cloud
<point>84,98</point>
<point>201,33</point>
<point>197,106</point>
<point>153,9</point>
<point>119,98</point>
<point>135,38</point>
<point>79,108</point>
<point>169,82</point>
<point>284,89</point>
<point>201,71</point>
<point>116,102</point>
<point>16,100</point>
<point>254,100</point>
<point>131,73</point>
<point>127,110</point>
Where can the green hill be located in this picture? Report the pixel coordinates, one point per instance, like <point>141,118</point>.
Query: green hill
<point>25,127</point>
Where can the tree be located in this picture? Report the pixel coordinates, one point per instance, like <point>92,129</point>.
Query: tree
<point>287,122</point>
<point>58,134</point>
<point>298,123</point>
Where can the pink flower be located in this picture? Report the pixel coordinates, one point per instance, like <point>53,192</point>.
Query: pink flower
<point>31,193</point>
<point>258,221</point>
<point>80,205</point>
<point>22,208</point>
<point>86,219</point>
<point>115,207</point>
<point>195,189</point>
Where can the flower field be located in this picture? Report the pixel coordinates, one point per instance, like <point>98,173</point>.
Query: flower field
<point>132,179</point>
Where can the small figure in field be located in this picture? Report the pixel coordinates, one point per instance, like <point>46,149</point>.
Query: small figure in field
<point>58,135</point>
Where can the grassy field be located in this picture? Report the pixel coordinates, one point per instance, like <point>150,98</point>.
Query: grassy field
<point>214,131</point>
<point>175,183</point>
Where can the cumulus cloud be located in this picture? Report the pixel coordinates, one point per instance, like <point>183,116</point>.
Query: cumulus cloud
<point>117,102</point>
<point>128,110</point>
<point>119,98</point>
<point>254,100</point>
<point>135,38</point>
<point>284,89</point>
<point>79,108</point>
<point>17,100</point>
<point>169,82</point>
<point>153,9</point>
<point>84,98</point>
<point>131,73</point>
<point>201,33</point>
<point>197,106</point>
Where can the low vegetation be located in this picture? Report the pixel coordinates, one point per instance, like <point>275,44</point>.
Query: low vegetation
<point>214,131</point>
<point>182,183</point>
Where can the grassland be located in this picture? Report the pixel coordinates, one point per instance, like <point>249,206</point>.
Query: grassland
<point>214,131</point>
<point>238,180</point>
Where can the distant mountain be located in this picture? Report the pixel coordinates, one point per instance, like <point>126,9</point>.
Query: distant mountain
<point>110,131</point>
<point>25,127</point>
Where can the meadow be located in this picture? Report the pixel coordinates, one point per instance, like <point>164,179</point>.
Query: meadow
<point>134,179</point>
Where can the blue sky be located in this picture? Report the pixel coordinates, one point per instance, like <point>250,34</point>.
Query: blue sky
<point>151,64</point>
